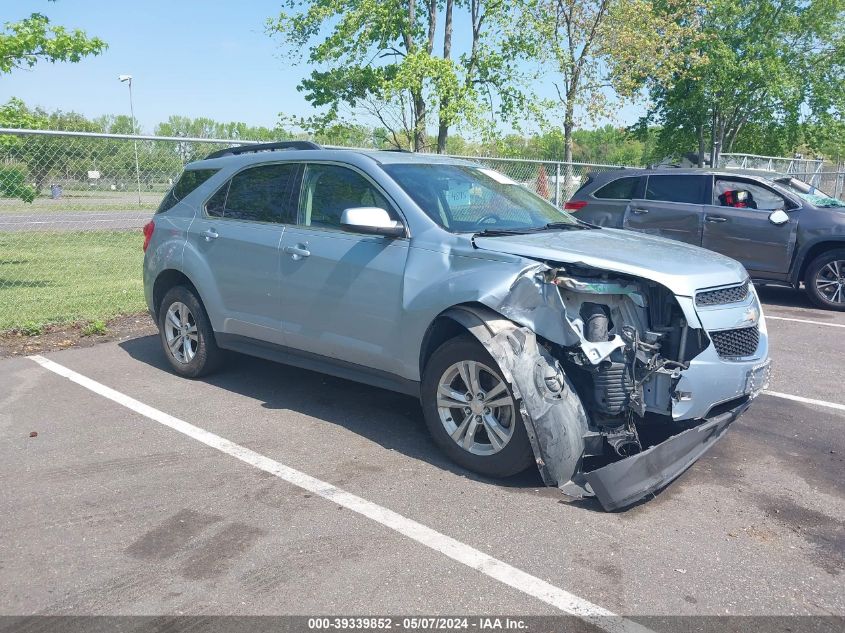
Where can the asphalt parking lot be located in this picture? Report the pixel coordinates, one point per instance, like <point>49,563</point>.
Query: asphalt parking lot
<point>177,497</point>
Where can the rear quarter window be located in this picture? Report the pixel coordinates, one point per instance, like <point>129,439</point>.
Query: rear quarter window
<point>688,189</point>
<point>619,189</point>
<point>187,182</point>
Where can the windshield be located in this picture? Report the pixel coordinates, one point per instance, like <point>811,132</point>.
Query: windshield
<point>467,199</point>
<point>811,194</point>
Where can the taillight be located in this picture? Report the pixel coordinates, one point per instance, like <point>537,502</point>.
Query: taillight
<point>575,205</point>
<point>149,227</point>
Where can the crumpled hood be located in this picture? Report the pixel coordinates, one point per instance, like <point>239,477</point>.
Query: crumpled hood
<point>681,267</point>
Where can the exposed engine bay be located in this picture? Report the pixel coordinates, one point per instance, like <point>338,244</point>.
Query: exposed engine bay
<point>602,364</point>
<point>634,342</point>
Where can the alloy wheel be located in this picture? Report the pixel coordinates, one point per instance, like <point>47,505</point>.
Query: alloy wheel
<point>475,408</point>
<point>830,281</point>
<point>180,330</point>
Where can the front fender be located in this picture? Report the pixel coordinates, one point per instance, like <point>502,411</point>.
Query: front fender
<point>551,409</point>
<point>801,257</point>
<point>436,281</point>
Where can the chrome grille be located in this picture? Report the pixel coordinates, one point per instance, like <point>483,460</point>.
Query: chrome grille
<point>722,296</point>
<point>737,343</point>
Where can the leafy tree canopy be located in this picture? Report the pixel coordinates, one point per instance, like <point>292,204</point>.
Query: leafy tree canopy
<point>768,69</point>
<point>30,40</point>
<point>385,58</point>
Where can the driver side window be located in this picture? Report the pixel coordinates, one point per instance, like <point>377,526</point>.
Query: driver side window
<point>729,193</point>
<point>328,190</point>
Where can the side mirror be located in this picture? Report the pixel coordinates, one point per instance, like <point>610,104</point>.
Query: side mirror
<point>778,217</point>
<point>371,220</point>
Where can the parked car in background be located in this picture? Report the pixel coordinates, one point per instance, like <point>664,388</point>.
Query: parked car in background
<point>781,229</point>
<point>529,337</point>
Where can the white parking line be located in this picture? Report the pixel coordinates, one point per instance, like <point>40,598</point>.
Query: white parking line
<point>820,403</point>
<point>457,551</point>
<point>769,317</point>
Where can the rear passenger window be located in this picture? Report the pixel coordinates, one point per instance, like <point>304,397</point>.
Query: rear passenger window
<point>688,189</point>
<point>621,189</point>
<point>188,181</point>
<point>258,194</point>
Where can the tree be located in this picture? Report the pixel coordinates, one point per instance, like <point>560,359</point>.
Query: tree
<point>594,49</point>
<point>378,57</point>
<point>766,67</point>
<point>24,43</point>
<point>41,156</point>
<point>203,127</point>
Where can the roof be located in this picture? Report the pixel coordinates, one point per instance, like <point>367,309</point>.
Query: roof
<point>691,171</point>
<point>353,156</point>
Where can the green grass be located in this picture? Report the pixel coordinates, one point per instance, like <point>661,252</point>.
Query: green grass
<point>59,277</point>
<point>31,328</point>
<point>94,328</point>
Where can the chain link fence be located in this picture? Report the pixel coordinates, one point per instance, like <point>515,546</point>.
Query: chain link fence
<point>831,182</point>
<point>72,205</point>
<point>71,208</point>
<point>554,181</point>
<point>827,177</point>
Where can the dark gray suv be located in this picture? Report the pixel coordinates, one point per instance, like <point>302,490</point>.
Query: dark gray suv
<point>781,229</point>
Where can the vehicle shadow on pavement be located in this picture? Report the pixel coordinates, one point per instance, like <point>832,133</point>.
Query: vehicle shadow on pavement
<point>392,420</point>
<point>784,297</point>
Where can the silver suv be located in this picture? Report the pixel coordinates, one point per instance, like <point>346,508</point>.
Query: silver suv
<point>608,359</point>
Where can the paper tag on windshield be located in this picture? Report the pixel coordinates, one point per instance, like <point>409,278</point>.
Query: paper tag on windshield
<point>457,197</point>
<point>500,178</point>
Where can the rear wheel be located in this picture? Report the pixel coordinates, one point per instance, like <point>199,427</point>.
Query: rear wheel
<point>471,412</point>
<point>186,334</point>
<point>824,280</point>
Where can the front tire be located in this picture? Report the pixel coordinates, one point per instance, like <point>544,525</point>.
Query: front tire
<point>186,335</point>
<point>471,412</point>
<point>824,280</point>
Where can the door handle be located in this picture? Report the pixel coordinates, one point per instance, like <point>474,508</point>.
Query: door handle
<point>638,211</point>
<point>210,234</point>
<point>297,252</point>
<point>715,218</point>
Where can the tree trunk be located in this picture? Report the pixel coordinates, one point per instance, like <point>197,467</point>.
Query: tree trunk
<point>713,138</point>
<point>719,141</point>
<point>419,121</point>
<point>417,101</point>
<point>568,126</point>
<point>408,35</point>
<point>443,130</point>
<point>701,147</point>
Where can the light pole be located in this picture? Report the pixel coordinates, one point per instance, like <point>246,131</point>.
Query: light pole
<point>128,79</point>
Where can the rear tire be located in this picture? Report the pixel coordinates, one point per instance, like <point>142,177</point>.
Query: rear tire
<point>824,280</point>
<point>186,335</point>
<point>483,434</point>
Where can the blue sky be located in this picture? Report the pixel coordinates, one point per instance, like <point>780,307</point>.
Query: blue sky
<point>187,57</point>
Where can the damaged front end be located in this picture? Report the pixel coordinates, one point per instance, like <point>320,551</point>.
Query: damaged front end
<point>614,375</point>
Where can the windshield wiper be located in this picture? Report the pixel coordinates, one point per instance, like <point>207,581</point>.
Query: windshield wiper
<point>551,226</point>
<point>496,232</point>
<point>565,226</point>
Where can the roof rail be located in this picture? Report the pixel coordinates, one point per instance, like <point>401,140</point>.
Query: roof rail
<point>263,147</point>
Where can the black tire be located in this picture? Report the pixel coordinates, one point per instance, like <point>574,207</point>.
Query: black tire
<point>207,356</point>
<point>515,456</point>
<point>819,270</point>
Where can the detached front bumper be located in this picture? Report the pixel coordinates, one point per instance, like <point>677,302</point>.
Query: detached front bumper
<point>627,481</point>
